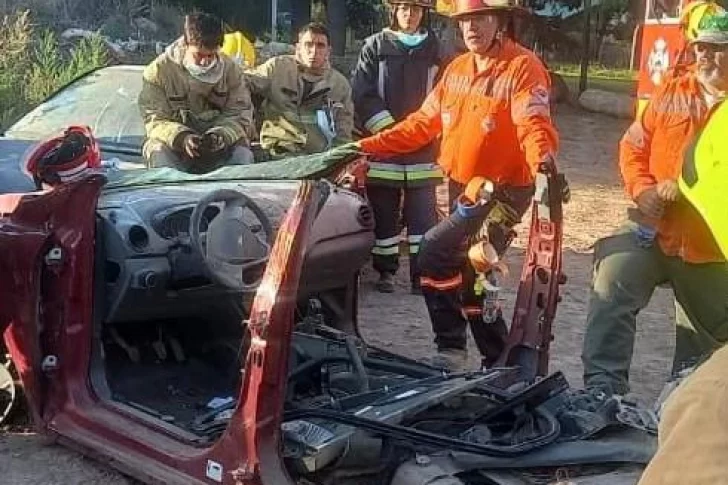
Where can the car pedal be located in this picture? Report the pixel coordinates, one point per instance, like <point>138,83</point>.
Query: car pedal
<point>131,351</point>
<point>160,349</point>
<point>177,351</point>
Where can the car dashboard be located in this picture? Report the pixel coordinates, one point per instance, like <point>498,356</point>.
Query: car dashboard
<point>150,269</point>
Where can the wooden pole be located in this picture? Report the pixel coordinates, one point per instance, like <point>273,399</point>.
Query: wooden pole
<point>586,54</point>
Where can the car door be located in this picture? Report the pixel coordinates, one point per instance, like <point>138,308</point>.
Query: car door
<point>46,260</point>
<point>271,330</point>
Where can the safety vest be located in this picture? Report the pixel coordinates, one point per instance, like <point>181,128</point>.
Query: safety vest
<point>704,177</point>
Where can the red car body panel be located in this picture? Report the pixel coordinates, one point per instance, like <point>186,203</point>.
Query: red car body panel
<point>50,314</point>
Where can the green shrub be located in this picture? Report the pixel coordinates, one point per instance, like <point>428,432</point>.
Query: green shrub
<point>34,65</point>
<point>15,43</point>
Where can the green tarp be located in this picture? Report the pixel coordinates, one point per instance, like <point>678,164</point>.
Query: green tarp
<point>314,166</point>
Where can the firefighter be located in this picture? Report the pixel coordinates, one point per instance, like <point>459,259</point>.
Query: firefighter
<point>195,103</point>
<point>397,68</point>
<point>694,412</point>
<point>491,110</point>
<point>307,106</point>
<point>666,242</point>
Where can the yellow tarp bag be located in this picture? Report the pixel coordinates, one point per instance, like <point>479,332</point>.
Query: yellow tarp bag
<point>239,48</point>
<point>704,177</point>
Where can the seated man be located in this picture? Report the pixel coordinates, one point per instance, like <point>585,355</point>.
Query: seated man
<point>195,103</point>
<point>307,106</point>
<point>684,254</point>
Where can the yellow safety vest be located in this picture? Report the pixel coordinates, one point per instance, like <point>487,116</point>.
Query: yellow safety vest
<point>704,177</point>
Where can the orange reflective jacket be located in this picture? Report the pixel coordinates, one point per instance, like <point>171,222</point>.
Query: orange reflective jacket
<point>494,124</point>
<point>652,150</point>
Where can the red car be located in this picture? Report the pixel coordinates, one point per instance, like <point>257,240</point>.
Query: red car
<point>202,329</point>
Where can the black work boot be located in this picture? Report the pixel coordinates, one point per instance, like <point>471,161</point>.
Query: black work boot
<point>385,283</point>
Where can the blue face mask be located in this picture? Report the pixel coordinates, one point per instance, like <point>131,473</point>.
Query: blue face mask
<point>411,40</point>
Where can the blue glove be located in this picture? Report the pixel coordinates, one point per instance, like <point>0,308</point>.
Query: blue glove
<point>468,210</point>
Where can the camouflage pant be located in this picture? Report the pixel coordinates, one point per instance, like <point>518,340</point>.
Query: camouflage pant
<point>625,276</point>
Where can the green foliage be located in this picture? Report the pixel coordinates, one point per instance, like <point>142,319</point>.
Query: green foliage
<point>364,15</point>
<point>595,71</point>
<point>34,65</point>
<point>15,38</point>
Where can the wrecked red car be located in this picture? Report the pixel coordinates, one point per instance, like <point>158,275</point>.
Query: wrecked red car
<point>203,329</point>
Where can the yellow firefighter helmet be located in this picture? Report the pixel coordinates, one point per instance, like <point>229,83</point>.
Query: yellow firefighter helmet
<point>694,13</point>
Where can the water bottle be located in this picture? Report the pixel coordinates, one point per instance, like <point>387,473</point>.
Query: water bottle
<point>646,233</point>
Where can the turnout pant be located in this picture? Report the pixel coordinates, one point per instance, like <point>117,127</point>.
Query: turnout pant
<point>448,279</point>
<point>625,276</point>
<point>158,155</point>
<point>417,208</point>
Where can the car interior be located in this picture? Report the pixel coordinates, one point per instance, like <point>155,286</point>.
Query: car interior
<point>172,296</point>
<point>176,271</point>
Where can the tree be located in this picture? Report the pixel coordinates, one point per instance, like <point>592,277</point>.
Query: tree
<point>364,16</point>
<point>610,15</point>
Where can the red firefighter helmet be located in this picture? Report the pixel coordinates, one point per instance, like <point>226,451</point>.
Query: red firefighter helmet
<point>467,7</point>
<point>63,158</point>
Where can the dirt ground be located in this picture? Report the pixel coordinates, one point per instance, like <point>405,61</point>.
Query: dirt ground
<point>398,322</point>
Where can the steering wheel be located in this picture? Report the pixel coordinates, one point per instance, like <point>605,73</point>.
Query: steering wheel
<point>231,247</point>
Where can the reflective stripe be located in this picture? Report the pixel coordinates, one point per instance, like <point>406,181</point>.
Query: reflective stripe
<point>379,121</point>
<point>431,75</point>
<point>70,174</point>
<point>308,119</point>
<point>385,251</point>
<point>385,174</point>
<point>472,311</point>
<point>389,167</point>
<point>450,284</point>
<point>390,241</point>
<point>424,175</point>
<point>380,84</point>
<point>680,104</point>
<point>395,171</point>
<point>414,249</point>
<point>415,239</point>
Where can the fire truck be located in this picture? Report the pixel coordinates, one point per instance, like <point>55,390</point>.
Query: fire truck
<point>660,42</point>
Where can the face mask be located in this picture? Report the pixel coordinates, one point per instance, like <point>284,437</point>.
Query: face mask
<point>412,40</point>
<point>197,71</point>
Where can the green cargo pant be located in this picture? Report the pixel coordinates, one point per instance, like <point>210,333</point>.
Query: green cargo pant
<point>625,276</point>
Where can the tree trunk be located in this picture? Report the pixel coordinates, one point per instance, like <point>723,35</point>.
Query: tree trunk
<point>336,12</point>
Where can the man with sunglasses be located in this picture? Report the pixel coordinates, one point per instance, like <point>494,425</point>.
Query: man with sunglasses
<point>668,242</point>
<point>195,103</point>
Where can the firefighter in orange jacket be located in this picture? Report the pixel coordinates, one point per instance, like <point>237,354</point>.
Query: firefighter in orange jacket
<point>491,110</point>
<point>665,241</point>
